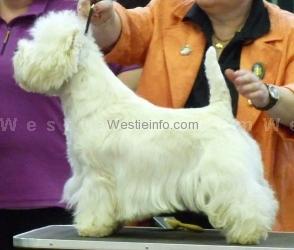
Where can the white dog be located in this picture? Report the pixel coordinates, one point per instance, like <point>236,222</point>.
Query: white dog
<point>128,174</point>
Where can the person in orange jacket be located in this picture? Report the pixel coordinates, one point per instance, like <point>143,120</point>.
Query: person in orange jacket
<point>254,43</point>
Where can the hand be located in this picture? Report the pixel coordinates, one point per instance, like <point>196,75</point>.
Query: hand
<point>103,11</point>
<point>249,86</point>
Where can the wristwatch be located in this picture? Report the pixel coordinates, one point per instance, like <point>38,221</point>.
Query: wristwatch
<point>274,96</point>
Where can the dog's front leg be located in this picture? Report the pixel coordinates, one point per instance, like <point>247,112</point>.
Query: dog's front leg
<point>95,213</point>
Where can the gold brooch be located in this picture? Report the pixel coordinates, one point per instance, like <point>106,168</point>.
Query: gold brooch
<point>259,70</point>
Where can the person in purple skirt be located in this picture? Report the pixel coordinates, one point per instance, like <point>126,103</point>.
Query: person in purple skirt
<point>33,164</point>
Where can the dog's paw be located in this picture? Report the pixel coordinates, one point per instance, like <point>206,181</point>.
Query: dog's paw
<point>94,231</point>
<point>246,238</point>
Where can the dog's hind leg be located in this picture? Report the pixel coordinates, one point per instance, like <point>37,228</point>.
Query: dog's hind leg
<point>95,213</point>
<point>235,201</point>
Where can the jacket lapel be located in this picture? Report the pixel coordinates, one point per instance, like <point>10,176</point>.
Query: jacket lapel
<point>182,66</point>
<point>261,51</point>
<point>269,57</point>
<point>183,49</point>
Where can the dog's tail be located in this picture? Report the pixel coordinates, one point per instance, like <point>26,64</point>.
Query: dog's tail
<point>219,91</point>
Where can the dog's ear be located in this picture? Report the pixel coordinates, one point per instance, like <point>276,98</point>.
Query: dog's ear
<point>46,62</point>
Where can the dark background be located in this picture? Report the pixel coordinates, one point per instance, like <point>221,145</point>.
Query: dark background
<point>284,4</point>
<point>133,3</point>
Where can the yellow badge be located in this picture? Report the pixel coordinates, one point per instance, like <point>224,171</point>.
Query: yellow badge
<point>259,70</point>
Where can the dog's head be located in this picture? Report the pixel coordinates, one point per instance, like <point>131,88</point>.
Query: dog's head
<point>46,62</point>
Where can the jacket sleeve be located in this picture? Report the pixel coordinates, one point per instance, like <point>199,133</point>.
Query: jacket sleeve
<point>136,34</point>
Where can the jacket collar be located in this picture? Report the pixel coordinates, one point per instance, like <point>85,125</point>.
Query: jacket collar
<point>277,24</point>
<point>182,8</point>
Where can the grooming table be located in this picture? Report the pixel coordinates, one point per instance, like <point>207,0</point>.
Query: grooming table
<point>139,238</point>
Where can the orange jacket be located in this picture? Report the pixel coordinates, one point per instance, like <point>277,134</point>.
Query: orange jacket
<point>153,36</point>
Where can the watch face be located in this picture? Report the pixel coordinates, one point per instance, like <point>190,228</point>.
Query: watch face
<point>274,92</point>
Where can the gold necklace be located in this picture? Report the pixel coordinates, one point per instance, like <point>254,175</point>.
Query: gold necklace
<point>219,43</point>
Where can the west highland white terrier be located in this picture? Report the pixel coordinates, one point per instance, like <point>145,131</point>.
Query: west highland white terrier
<point>124,174</point>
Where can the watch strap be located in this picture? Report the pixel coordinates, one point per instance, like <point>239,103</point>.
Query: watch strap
<point>272,101</point>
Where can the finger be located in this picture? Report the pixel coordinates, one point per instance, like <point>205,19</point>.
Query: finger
<point>242,72</point>
<point>102,11</point>
<point>255,95</point>
<point>83,7</point>
<point>101,6</point>
<point>245,79</point>
<point>230,74</point>
<point>248,88</point>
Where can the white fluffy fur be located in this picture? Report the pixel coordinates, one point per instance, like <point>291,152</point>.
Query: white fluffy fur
<point>123,175</point>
